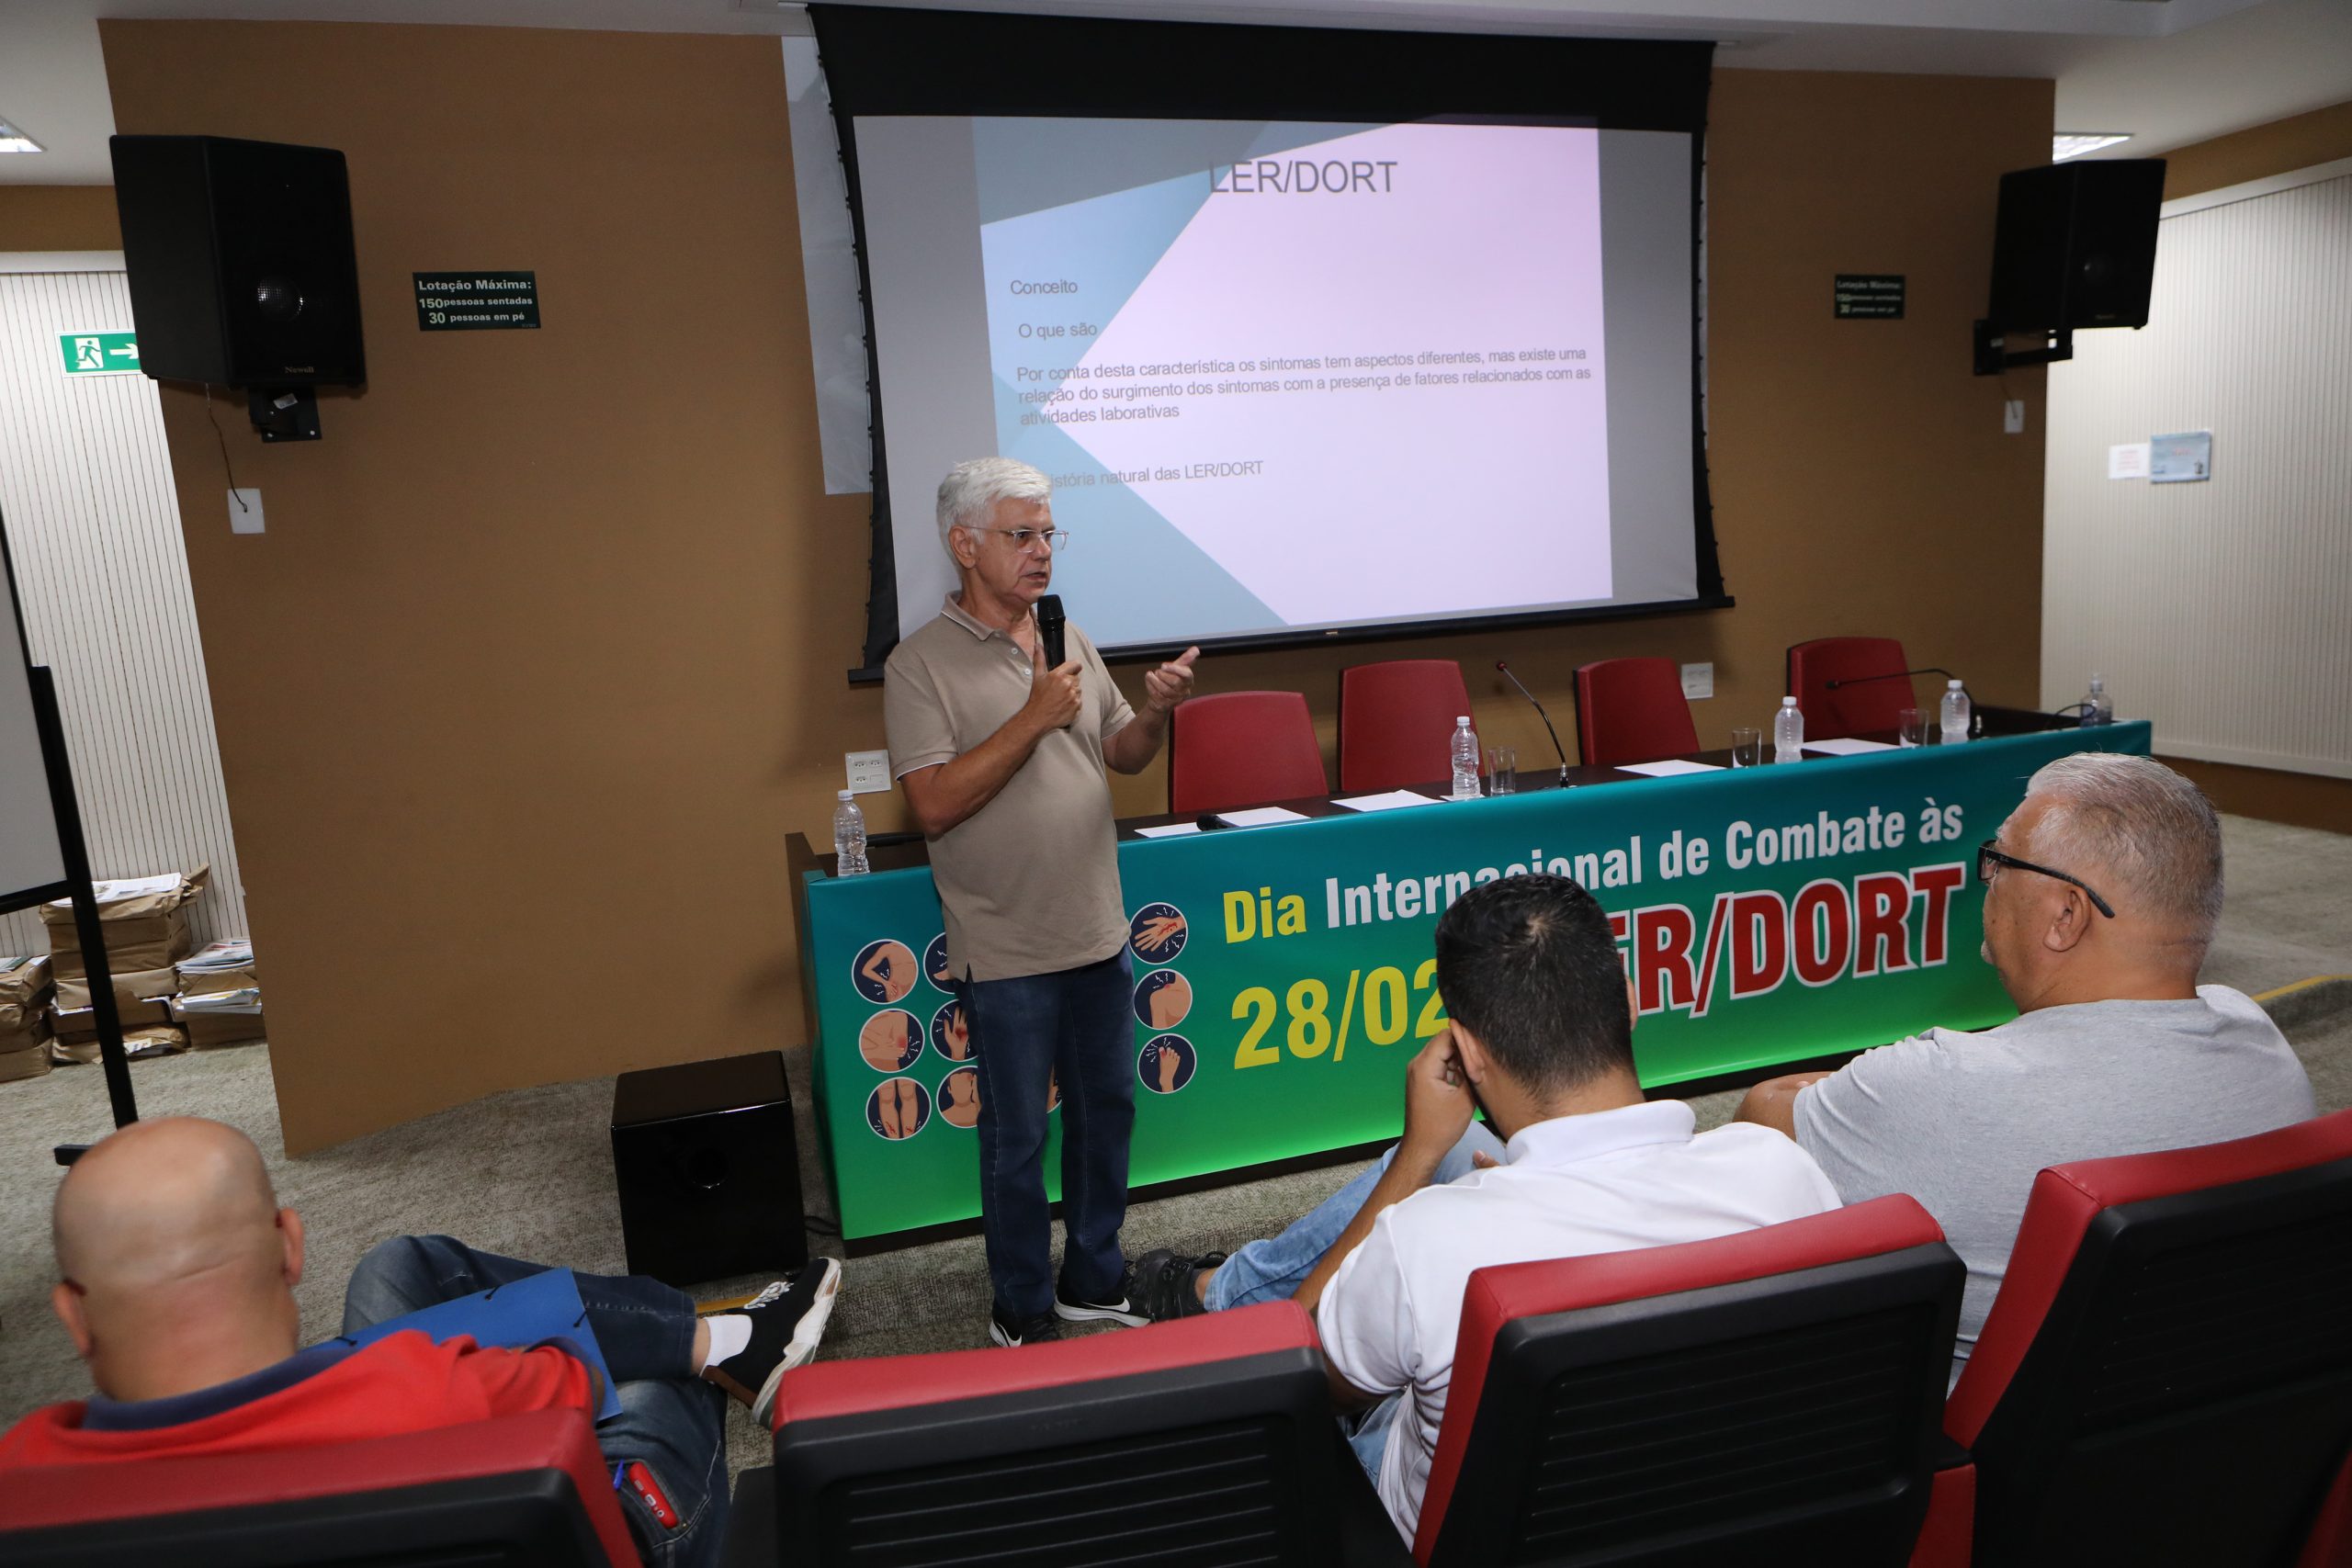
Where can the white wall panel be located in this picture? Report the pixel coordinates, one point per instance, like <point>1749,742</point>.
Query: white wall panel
<point>93,529</point>
<point>2220,609</point>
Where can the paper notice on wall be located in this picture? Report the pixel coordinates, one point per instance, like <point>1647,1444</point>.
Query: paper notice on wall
<point>2129,461</point>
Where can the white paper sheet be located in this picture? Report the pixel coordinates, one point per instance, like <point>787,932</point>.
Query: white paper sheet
<point>1172,830</point>
<point>1670,768</point>
<point>1260,816</point>
<point>1846,747</point>
<point>1391,800</point>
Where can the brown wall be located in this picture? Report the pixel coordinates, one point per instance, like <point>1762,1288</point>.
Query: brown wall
<point>59,218</point>
<point>2320,136</point>
<point>542,654</point>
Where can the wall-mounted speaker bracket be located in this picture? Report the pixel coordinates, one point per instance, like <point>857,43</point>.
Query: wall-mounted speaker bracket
<point>1993,353</point>
<point>285,414</point>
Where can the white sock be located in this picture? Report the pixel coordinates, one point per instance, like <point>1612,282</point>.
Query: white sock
<point>730,1333</point>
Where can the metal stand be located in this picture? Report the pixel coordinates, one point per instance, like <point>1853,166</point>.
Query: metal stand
<point>75,853</point>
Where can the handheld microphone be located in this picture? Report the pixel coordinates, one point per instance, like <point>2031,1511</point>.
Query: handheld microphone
<point>1557,749</point>
<point>1050,621</point>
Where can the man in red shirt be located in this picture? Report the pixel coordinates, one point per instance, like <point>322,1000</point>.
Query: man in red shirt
<point>178,1270</point>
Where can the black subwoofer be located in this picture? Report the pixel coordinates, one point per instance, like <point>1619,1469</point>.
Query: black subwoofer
<point>240,260</point>
<point>708,1169</point>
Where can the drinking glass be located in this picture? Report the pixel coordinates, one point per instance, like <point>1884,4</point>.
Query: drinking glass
<point>1913,724</point>
<point>1502,769</point>
<point>1747,748</point>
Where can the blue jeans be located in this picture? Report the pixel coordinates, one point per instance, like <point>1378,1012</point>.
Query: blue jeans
<point>1077,1026</point>
<point>1272,1269</point>
<point>670,1421</point>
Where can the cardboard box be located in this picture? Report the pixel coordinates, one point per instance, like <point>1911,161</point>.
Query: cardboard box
<point>29,1063</point>
<point>81,1023</point>
<point>131,986</point>
<point>161,1040</point>
<point>23,980</point>
<point>131,898</point>
<point>156,942</point>
<point>226,966</point>
<point>17,1018</point>
<point>145,921</point>
<point>206,1031</point>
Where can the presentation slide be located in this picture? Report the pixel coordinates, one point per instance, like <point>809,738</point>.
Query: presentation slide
<point>1290,377</point>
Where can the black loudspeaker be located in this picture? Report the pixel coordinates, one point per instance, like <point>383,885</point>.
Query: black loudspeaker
<point>2075,244</point>
<point>708,1169</point>
<point>240,261</point>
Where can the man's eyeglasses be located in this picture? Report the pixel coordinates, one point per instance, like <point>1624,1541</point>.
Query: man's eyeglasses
<point>1987,857</point>
<point>1052,539</point>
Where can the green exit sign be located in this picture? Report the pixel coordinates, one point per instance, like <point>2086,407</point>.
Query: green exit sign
<point>100,354</point>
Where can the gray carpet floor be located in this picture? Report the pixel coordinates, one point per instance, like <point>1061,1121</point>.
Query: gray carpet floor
<point>529,1172</point>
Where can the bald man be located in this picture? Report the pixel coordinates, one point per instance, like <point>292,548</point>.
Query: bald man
<point>177,1272</point>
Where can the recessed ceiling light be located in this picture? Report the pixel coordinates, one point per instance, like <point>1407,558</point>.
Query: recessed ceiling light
<point>2074,143</point>
<point>15,141</point>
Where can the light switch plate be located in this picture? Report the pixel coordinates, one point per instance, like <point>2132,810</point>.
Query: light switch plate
<point>1698,681</point>
<point>869,772</point>
<point>244,512</point>
<point>2013,416</point>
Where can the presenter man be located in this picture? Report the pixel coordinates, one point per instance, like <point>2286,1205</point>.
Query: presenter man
<point>1001,758</point>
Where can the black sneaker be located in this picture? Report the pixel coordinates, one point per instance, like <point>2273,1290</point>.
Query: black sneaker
<point>1161,1285</point>
<point>1039,1330</point>
<point>1120,1308</point>
<point>787,1319</point>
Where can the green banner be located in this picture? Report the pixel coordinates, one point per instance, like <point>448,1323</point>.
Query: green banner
<point>1283,976</point>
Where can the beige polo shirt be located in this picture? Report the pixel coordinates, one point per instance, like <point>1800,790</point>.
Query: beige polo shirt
<point>1030,882</point>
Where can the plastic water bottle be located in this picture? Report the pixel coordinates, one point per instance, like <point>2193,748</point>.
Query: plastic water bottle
<point>1788,732</point>
<point>1955,714</point>
<point>2098,707</point>
<point>849,838</point>
<point>1465,760</point>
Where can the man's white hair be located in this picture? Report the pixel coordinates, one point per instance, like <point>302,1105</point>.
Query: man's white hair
<point>967,496</point>
<point>2149,832</point>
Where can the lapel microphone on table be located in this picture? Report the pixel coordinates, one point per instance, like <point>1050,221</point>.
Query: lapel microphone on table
<point>1557,750</point>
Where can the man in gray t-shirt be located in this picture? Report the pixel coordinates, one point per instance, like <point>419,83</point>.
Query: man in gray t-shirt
<point>2101,893</point>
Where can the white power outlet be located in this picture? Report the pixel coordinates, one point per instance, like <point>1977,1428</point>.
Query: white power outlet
<point>869,772</point>
<point>1698,681</point>
<point>2013,416</point>
<point>244,510</point>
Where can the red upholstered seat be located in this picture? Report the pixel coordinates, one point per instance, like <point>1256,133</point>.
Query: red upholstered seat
<point>1632,710</point>
<point>525,1489</point>
<point>1764,1397</point>
<point>1397,723</point>
<point>1850,709</point>
<point>1237,749</point>
<point>2166,1374</point>
<point>1189,1444</point>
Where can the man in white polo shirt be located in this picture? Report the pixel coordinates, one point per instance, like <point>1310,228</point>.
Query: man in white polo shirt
<point>1577,1162</point>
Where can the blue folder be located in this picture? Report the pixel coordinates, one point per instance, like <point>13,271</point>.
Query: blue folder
<point>529,1312</point>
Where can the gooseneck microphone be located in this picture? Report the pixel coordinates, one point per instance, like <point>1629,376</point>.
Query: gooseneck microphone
<point>1892,676</point>
<point>1557,748</point>
<point>1050,621</point>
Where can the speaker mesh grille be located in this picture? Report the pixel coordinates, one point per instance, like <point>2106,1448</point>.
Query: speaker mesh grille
<point>1204,1497</point>
<point>1768,1422</point>
<point>2239,1315</point>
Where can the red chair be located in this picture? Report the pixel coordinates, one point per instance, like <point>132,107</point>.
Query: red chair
<point>2166,1374</point>
<point>1238,748</point>
<point>1849,709</point>
<point>1194,1444</point>
<point>1397,723</point>
<point>1632,710</point>
<point>524,1490</point>
<point>1770,1396</point>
